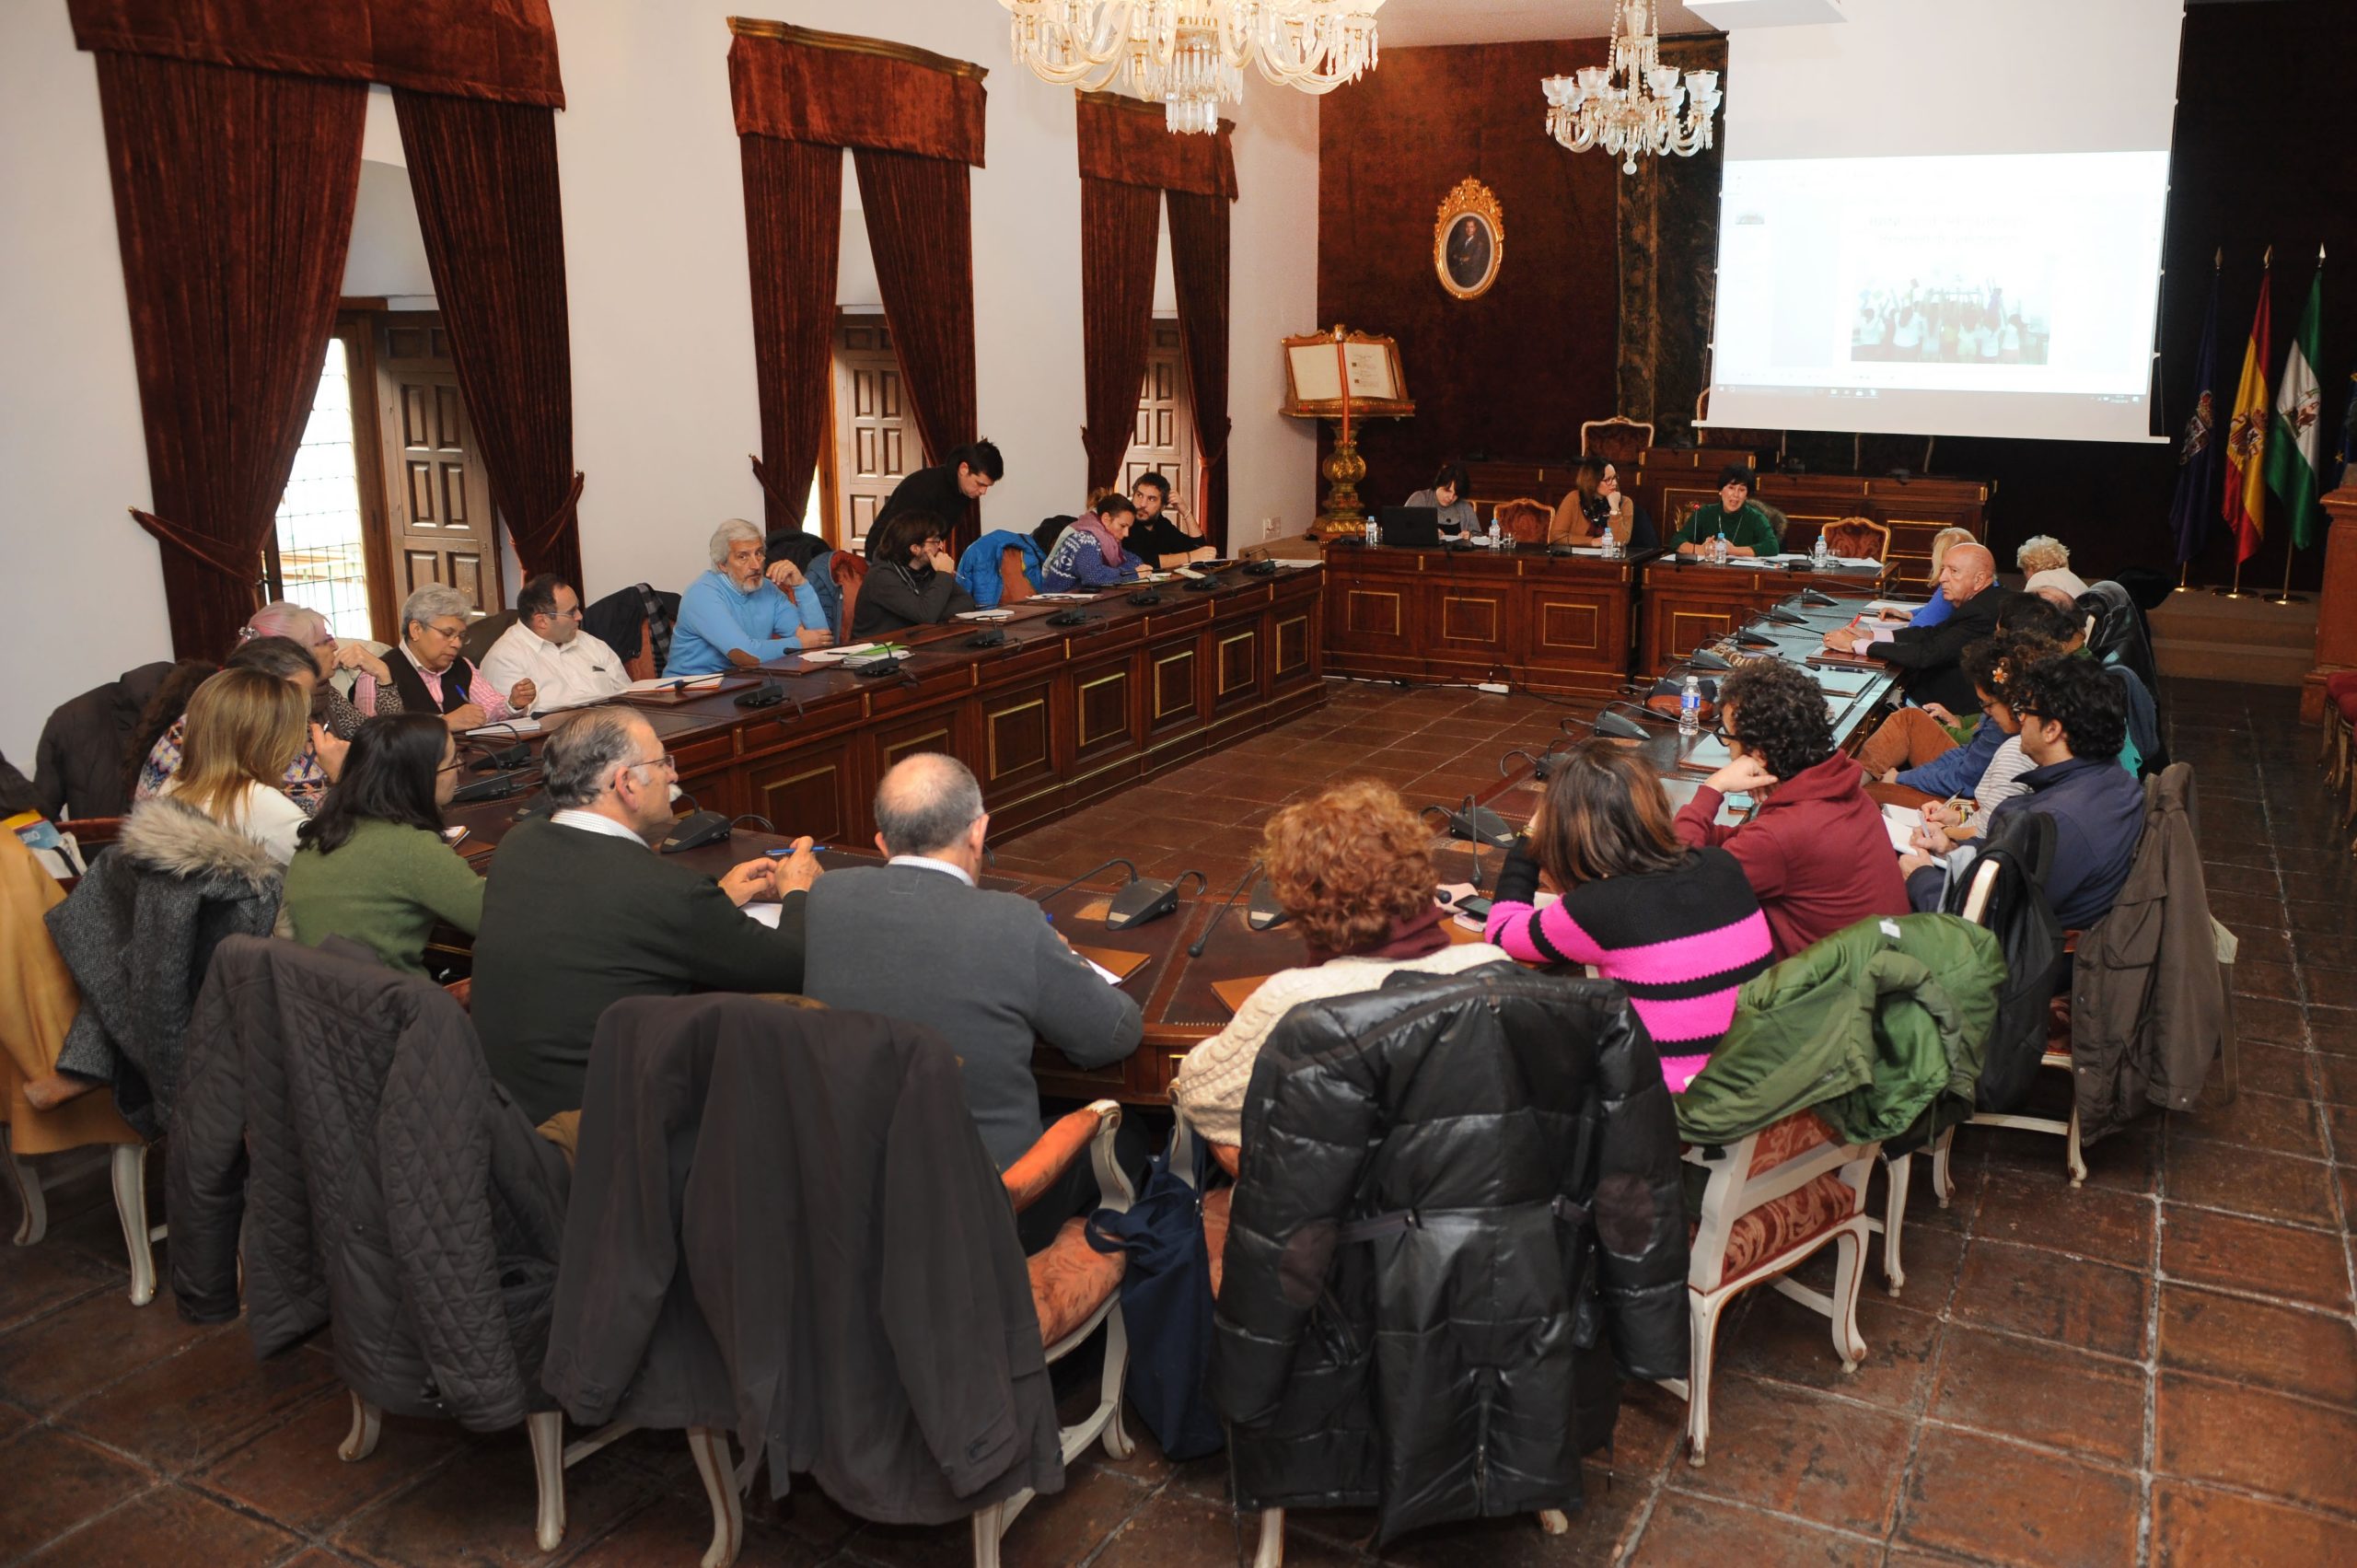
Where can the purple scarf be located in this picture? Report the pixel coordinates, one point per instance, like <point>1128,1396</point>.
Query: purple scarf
<point>1414,937</point>
<point>1108,547</point>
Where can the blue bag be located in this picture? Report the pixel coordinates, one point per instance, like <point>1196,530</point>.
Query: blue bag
<point>1167,1308</point>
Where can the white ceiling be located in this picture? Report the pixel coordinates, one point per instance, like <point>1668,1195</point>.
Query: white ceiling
<point>1407,24</point>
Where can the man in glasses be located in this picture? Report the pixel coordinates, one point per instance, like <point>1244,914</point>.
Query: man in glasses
<point>568,667</point>
<point>581,912</point>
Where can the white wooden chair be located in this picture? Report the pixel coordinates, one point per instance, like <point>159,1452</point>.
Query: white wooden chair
<point>127,1165</point>
<point>1270,1551</point>
<point>1776,1196</point>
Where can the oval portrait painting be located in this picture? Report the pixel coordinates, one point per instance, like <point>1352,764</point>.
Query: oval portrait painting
<point>1469,240</point>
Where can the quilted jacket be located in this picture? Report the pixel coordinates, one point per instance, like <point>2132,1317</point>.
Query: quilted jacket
<point>783,1222</point>
<point>138,932</point>
<point>1872,1027</point>
<point>1458,1207</point>
<point>340,1114</point>
<point>2148,999</point>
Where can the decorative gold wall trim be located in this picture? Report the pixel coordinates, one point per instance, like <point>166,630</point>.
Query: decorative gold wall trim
<point>1080,708</point>
<point>989,728</point>
<point>851,43</point>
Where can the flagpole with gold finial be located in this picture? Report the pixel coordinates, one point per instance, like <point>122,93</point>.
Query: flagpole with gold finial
<point>2266,264</point>
<point>2290,547</point>
<point>2217,265</point>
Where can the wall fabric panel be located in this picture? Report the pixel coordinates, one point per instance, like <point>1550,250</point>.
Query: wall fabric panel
<point>485,179</point>
<point>1200,248</point>
<point>1510,374</point>
<point>1116,314</point>
<point>233,193</point>
<point>794,201</point>
<point>489,48</point>
<point>1668,227</point>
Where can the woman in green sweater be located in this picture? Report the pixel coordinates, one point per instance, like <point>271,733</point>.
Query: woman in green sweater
<point>373,866</point>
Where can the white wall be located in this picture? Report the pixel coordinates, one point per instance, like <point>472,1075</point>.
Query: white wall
<point>662,360</point>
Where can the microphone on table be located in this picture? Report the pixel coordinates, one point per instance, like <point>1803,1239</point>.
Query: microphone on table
<point>1195,948</point>
<point>1478,825</point>
<point>1817,596</point>
<point>1757,640</point>
<point>1140,899</point>
<point>1609,725</point>
<point>495,787</point>
<point>488,761</point>
<point>1054,892</point>
<point>1541,765</point>
<point>1704,658</point>
<point>1784,617</point>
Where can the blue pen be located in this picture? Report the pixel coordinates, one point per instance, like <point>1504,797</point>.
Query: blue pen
<point>782,854</point>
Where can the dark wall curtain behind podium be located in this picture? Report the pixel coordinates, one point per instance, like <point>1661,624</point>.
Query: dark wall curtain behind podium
<point>233,193</point>
<point>485,179</point>
<point>1199,250</point>
<point>794,197</point>
<point>1116,315</point>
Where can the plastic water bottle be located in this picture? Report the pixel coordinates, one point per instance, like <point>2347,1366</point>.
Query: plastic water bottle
<point>1819,555</point>
<point>1689,707</point>
<point>1374,531</point>
<point>1366,532</point>
<point>1493,530</point>
<point>1719,548</point>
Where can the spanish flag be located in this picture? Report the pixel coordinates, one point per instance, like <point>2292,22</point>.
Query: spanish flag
<point>2245,502</point>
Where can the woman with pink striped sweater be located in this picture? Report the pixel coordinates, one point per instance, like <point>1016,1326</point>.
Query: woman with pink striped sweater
<point>1678,928</point>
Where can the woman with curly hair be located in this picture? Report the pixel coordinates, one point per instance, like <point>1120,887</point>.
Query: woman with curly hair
<point>1815,849</point>
<point>1676,926</point>
<point>1353,867</point>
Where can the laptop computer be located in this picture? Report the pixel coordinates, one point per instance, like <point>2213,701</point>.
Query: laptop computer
<point>1411,525</point>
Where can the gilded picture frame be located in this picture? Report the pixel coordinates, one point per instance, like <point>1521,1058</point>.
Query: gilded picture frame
<point>1469,240</point>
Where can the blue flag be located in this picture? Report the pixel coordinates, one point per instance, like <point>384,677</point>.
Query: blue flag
<point>2196,460</point>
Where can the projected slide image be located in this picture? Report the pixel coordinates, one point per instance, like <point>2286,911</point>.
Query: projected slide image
<point>1949,322</point>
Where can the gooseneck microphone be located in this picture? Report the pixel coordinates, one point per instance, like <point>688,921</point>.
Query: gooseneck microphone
<point>1609,725</point>
<point>1053,892</point>
<point>1195,948</point>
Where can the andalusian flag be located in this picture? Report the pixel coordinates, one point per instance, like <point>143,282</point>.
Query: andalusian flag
<point>2246,505</point>
<point>2295,442</point>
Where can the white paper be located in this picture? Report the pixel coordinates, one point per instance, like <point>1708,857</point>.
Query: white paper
<point>523,724</point>
<point>1896,606</point>
<point>1106,975</point>
<point>767,913</point>
<point>985,615</point>
<point>835,655</point>
<point>685,683</point>
<point>1900,822</point>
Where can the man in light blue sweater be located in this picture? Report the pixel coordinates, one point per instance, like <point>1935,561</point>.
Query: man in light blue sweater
<point>732,615</point>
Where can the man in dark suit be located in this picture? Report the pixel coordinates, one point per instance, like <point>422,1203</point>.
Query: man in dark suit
<point>1929,658</point>
<point>917,939</point>
<point>581,911</point>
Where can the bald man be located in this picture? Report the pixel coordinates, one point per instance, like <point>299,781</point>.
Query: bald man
<point>917,939</point>
<point>1929,657</point>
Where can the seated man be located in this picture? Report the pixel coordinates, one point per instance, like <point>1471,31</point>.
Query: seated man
<point>1089,554</point>
<point>568,666</point>
<point>1161,537</point>
<point>1929,658</point>
<point>2073,721</point>
<point>1915,749</point>
<point>916,939</point>
<point>1736,514</point>
<point>944,489</point>
<point>733,616</point>
<point>430,676</point>
<point>580,912</point>
<point>911,582</point>
<point>1815,852</point>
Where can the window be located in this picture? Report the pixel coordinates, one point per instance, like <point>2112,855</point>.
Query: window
<point>317,555</point>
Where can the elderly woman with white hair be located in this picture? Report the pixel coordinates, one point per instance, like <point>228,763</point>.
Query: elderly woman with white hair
<point>2045,561</point>
<point>428,675</point>
<point>734,616</point>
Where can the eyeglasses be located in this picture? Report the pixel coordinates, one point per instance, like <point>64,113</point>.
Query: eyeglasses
<point>664,761</point>
<point>447,634</point>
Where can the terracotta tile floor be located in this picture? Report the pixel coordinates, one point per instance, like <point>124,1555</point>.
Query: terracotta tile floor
<point>2158,1368</point>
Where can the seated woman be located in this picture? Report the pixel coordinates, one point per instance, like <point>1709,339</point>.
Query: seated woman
<point>1162,536</point>
<point>244,728</point>
<point>1815,851</point>
<point>314,767</point>
<point>1089,554</point>
<point>1678,928</point>
<point>1353,867</point>
<point>1744,521</point>
<point>1446,496</point>
<point>374,865</point>
<point>427,673</point>
<point>911,580</point>
<point>1594,506</point>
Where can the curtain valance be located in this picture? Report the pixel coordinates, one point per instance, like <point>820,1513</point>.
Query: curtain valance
<point>831,89</point>
<point>1125,140</point>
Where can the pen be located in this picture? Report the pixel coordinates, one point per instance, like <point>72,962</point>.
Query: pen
<point>782,854</point>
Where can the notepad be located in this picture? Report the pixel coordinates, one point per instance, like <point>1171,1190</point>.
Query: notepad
<point>522,724</point>
<point>1113,964</point>
<point>766,914</point>
<point>1234,993</point>
<point>986,615</point>
<point>1900,822</point>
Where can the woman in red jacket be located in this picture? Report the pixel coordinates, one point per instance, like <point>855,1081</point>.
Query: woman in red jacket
<point>1814,850</point>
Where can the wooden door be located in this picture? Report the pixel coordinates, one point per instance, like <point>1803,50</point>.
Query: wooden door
<point>875,438</point>
<point>439,518</point>
<point>1164,441</point>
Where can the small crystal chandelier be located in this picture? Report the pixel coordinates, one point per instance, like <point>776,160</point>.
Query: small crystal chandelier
<point>1642,114</point>
<point>1189,55</point>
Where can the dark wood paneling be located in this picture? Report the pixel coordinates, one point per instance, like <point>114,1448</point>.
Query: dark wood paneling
<point>1178,687</point>
<point>815,792</point>
<point>1685,607</point>
<point>1555,624</point>
<point>1104,709</point>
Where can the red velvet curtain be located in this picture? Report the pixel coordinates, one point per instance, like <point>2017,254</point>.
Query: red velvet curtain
<point>1199,230</point>
<point>1118,223</point>
<point>234,194</point>
<point>794,219</point>
<point>920,224</point>
<point>484,177</point>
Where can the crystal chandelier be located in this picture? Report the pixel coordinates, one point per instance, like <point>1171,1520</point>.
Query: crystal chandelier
<point>1189,55</point>
<point>1641,114</point>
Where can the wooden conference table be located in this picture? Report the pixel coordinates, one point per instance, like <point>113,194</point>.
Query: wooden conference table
<point>1178,992</point>
<point>1542,621</point>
